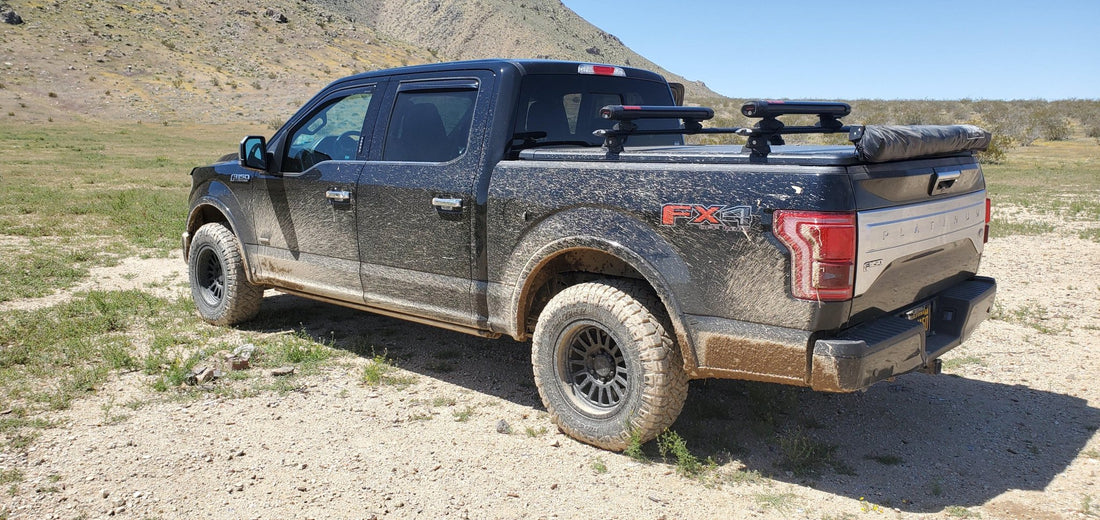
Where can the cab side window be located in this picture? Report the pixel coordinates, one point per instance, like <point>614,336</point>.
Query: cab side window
<point>430,126</point>
<point>333,133</point>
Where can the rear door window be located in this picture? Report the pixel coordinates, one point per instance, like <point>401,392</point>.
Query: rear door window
<point>430,123</point>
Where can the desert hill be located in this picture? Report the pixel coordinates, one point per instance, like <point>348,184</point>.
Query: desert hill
<point>471,29</point>
<point>197,60</point>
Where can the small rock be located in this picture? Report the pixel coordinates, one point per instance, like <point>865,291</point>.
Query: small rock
<point>201,375</point>
<point>555,443</point>
<point>503,427</point>
<point>244,351</point>
<point>275,15</point>
<point>283,371</point>
<point>105,493</point>
<point>238,363</point>
<point>10,17</point>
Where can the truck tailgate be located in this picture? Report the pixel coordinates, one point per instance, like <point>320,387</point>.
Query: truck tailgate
<point>920,229</point>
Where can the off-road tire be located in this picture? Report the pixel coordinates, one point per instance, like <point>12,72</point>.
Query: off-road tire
<point>219,285</point>
<point>583,332</point>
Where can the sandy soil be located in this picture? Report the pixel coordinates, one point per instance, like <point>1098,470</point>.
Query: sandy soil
<point>1009,431</point>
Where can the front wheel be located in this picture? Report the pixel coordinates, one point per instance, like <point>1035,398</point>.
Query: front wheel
<point>605,364</point>
<point>219,284</point>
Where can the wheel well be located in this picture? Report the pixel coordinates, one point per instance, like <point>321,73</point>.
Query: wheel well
<point>205,215</point>
<point>563,270</point>
<point>202,215</point>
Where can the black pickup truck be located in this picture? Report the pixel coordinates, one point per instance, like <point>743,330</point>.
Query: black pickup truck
<point>558,202</point>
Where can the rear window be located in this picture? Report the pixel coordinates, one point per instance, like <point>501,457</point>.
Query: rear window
<point>567,107</point>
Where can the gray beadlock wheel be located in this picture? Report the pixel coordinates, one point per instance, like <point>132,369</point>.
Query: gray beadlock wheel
<point>219,285</point>
<point>605,364</point>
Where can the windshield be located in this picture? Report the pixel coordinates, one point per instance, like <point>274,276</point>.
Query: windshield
<point>565,107</point>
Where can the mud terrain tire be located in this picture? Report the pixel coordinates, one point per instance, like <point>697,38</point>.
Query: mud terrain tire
<point>605,364</point>
<point>219,284</point>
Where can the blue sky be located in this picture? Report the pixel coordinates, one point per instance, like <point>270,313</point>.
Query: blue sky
<point>886,49</point>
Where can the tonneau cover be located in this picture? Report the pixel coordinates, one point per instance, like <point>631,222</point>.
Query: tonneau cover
<point>798,155</point>
<point>881,143</point>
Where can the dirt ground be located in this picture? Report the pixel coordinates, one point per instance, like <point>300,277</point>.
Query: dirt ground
<point>1008,431</point>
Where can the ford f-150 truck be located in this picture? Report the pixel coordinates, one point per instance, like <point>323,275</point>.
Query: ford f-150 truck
<point>557,202</point>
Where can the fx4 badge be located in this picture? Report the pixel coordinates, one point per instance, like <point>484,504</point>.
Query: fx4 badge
<point>738,218</point>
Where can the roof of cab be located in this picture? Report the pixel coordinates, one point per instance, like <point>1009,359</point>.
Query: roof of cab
<point>522,67</point>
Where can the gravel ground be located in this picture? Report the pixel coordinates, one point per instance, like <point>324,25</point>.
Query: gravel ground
<point>1008,431</point>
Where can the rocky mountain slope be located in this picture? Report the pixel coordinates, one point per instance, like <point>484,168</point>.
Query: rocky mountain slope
<point>471,29</point>
<point>194,60</point>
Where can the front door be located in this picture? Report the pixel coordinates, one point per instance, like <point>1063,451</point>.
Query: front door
<point>306,215</point>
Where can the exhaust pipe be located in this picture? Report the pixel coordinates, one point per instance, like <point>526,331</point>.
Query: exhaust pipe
<point>933,367</point>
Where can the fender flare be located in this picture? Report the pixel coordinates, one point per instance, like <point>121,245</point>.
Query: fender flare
<point>616,234</point>
<point>217,196</point>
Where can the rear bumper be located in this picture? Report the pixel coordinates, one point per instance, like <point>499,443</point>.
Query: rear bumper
<point>890,346</point>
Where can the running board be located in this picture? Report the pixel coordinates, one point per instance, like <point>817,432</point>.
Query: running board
<point>465,329</point>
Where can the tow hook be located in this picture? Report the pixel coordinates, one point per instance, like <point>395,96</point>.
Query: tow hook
<point>933,367</point>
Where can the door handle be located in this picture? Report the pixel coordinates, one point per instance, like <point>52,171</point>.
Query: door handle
<point>944,180</point>
<point>447,204</point>
<point>338,195</point>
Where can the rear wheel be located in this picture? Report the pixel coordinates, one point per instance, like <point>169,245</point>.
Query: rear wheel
<point>605,364</point>
<point>219,285</point>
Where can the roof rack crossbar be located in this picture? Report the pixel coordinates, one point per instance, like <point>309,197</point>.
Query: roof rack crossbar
<point>765,133</point>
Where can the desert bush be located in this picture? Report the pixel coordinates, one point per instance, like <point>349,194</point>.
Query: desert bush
<point>998,147</point>
<point>1013,122</point>
<point>1093,131</point>
<point>1049,124</point>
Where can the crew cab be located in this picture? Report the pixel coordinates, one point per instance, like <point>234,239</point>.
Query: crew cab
<point>557,202</point>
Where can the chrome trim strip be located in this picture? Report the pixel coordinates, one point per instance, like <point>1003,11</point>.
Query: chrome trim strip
<point>886,235</point>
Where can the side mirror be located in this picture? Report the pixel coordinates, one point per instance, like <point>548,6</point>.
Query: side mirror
<point>254,152</point>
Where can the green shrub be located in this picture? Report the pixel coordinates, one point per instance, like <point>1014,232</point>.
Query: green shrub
<point>998,148</point>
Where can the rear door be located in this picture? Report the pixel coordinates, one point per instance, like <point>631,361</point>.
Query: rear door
<point>417,196</point>
<point>305,213</point>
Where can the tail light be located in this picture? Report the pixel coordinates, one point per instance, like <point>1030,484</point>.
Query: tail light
<point>823,253</point>
<point>988,215</point>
